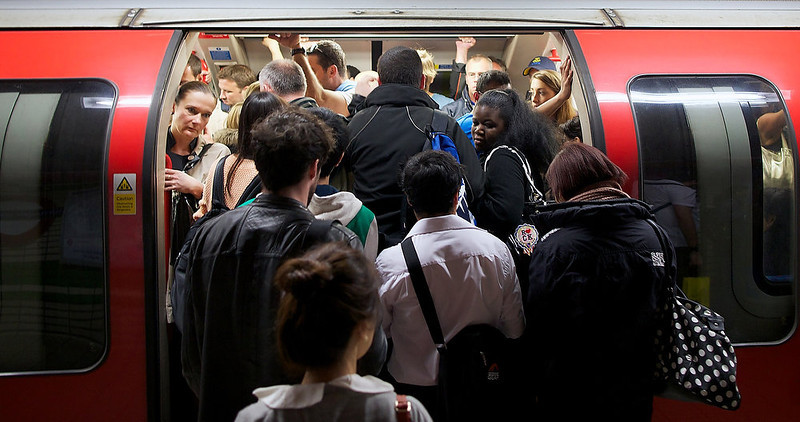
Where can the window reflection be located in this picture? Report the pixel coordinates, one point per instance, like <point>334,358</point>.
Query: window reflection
<point>717,168</point>
<point>53,314</point>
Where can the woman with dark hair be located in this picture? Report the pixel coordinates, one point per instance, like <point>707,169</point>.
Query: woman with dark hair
<point>516,145</point>
<point>596,279</point>
<point>239,168</point>
<point>325,323</point>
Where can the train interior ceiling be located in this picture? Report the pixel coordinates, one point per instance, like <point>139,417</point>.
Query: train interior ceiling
<point>224,49</point>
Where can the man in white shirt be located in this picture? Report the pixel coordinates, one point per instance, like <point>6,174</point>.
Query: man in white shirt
<point>470,273</point>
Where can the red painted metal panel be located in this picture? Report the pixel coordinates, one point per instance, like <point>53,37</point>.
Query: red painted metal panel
<point>116,389</point>
<point>769,376</point>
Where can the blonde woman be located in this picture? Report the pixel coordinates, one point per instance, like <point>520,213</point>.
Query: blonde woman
<point>551,92</point>
<point>429,70</point>
<point>228,135</point>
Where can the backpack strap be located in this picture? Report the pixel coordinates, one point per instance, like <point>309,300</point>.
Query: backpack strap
<point>439,121</point>
<point>402,408</point>
<point>250,191</point>
<point>218,195</point>
<point>423,293</point>
<point>436,132</point>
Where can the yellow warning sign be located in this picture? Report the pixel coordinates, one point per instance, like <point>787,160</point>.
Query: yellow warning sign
<point>124,204</point>
<point>124,185</point>
<point>124,194</point>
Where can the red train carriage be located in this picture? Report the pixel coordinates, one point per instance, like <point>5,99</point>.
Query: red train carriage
<point>675,94</point>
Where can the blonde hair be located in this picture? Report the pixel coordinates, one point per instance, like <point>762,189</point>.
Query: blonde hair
<point>233,116</point>
<point>428,67</point>
<point>253,87</point>
<point>552,80</point>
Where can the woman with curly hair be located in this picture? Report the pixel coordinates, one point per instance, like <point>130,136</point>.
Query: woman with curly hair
<point>516,145</point>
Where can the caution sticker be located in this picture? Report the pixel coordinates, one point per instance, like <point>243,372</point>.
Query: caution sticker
<point>125,194</point>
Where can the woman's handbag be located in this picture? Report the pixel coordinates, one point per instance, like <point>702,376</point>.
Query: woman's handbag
<point>694,355</point>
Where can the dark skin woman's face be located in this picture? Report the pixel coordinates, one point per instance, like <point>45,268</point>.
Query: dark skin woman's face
<point>487,127</point>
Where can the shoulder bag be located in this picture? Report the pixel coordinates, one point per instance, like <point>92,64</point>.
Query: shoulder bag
<point>694,355</point>
<point>474,366</point>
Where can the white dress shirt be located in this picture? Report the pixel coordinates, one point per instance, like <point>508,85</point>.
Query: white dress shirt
<point>472,280</point>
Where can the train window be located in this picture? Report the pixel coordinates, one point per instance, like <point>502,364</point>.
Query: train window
<point>53,137</point>
<point>717,167</point>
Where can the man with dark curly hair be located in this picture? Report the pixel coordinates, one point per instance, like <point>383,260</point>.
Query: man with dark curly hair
<point>228,346</point>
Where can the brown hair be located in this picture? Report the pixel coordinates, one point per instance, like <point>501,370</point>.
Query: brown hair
<point>240,74</point>
<point>286,144</point>
<point>329,53</point>
<point>328,291</point>
<point>193,86</point>
<point>579,167</point>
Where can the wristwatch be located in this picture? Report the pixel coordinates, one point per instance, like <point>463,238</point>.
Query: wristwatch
<point>299,50</point>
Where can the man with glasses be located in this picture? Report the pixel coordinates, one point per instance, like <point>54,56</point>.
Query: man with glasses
<point>323,64</point>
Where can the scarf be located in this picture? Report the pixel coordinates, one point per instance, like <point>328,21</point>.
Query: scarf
<point>603,193</point>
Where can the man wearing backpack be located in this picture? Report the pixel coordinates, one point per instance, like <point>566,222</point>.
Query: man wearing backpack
<point>228,346</point>
<point>471,280</point>
<point>392,128</point>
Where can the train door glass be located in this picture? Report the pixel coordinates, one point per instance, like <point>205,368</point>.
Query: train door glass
<point>716,156</point>
<point>53,137</point>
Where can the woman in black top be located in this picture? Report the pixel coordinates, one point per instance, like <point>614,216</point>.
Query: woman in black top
<point>509,137</point>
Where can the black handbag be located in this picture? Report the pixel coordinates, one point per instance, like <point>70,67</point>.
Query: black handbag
<point>694,355</point>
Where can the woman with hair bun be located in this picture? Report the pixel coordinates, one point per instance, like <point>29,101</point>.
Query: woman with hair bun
<point>325,323</point>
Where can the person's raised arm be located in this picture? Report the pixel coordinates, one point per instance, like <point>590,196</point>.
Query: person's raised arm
<point>549,107</point>
<point>274,48</point>
<point>324,97</point>
<point>459,70</point>
<point>770,126</point>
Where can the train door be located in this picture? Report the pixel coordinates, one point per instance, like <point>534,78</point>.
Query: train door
<point>708,141</point>
<point>78,257</point>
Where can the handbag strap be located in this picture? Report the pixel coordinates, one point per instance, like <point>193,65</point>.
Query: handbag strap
<point>218,196</point>
<point>668,258</point>
<point>250,192</point>
<point>402,408</point>
<point>423,292</point>
<point>536,194</point>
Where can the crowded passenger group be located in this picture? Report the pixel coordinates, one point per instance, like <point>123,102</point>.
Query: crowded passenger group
<point>333,230</point>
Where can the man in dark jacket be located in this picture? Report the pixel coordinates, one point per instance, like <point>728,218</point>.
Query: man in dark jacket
<point>228,347</point>
<point>390,130</point>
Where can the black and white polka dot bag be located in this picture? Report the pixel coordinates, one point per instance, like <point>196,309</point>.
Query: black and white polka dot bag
<point>695,354</point>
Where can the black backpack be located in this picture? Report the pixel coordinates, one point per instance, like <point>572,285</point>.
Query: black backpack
<point>218,207</point>
<point>479,376</point>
